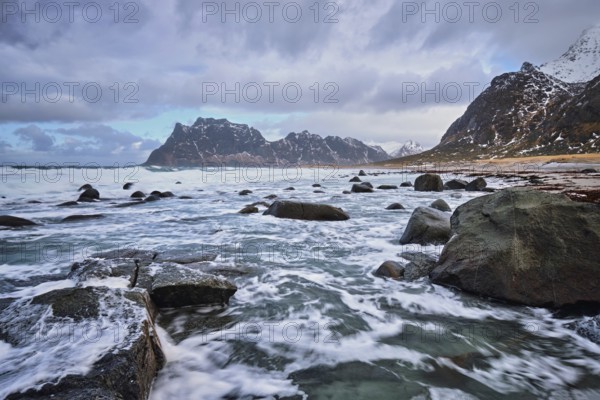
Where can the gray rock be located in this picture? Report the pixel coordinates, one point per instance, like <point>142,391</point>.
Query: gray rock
<point>455,184</point>
<point>82,217</point>
<point>306,211</point>
<point>248,210</point>
<point>152,197</point>
<point>85,187</point>
<point>406,184</point>
<point>588,327</point>
<point>387,187</point>
<point>420,265</point>
<point>477,185</point>
<point>270,197</point>
<point>128,358</point>
<point>361,188</point>
<point>245,192</point>
<point>355,179</point>
<point>525,246</point>
<point>178,286</point>
<point>390,269</point>
<point>127,186</point>
<point>429,183</point>
<point>68,204</point>
<point>89,195</point>
<point>362,173</point>
<point>138,195</point>
<point>395,206</point>
<point>441,205</point>
<point>15,222</point>
<point>166,194</point>
<point>427,226</point>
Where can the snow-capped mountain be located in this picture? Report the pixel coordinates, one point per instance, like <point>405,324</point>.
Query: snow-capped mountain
<point>581,63</point>
<point>554,109</point>
<point>407,149</point>
<point>211,140</point>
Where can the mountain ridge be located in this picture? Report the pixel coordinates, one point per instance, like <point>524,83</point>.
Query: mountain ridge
<point>211,140</point>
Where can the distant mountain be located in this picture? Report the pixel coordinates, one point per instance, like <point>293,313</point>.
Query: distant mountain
<point>581,63</point>
<point>407,149</point>
<point>211,140</point>
<point>535,111</point>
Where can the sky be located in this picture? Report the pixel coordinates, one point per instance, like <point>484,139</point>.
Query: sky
<point>105,82</point>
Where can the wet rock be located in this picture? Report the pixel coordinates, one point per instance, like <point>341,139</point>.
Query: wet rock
<point>355,179</point>
<point>270,197</point>
<point>387,187</point>
<point>127,359</point>
<point>318,191</point>
<point>361,188</point>
<point>588,327</point>
<point>456,195</point>
<point>316,185</point>
<point>68,204</point>
<point>259,203</point>
<point>429,183</point>
<point>245,192</point>
<point>248,210</point>
<point>127,186</point>
<point>185,197</point>
<point>477,185</point>
<point>441,205</point>
<point>306,211</point>
<point>427,226</point>
<point>152,197</point>
<point>589,171</point>
<point>89,195</point>
<point>34,202</point>
<point>127,252</point>
<point>82,217</point>
<point>524,246</point>
<point>178,183</point>
<point>406,184</point>
<point>455,184</point>
<point>180,286</point>
<point>346,192</point>
<point>126,268</point>
<point>166,194</point>
<point>362,173</point>
<point>137,195</point>
<point>85,187</point>
<point>390,269</point>
<point>185,257</point>
<point>290,188</point>
<point>156,193</point>
<point>15,222</point>
<point>420,265</point>
<point>395,206</point>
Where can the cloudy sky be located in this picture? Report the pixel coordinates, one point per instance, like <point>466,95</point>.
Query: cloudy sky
<point>106,81</point>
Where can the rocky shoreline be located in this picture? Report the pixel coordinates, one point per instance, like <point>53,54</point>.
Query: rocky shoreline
<point>520,245</point>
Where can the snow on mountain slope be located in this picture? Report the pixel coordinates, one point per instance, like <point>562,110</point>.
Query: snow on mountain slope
<point>407,149</point>
<point>581,63</point>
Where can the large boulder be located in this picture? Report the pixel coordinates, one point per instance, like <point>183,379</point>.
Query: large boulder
<point>524,246</point>
<point>15,222</point>
<point>427,226</point>
<point>306,211</point>
<point>83,343</point>
<point>390,269</point>
<point>429,183</point>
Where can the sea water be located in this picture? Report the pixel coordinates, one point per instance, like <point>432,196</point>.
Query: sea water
<point>309,320</point>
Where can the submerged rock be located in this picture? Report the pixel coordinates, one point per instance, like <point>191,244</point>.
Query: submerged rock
<point>455,184</point>
<point>525,246</point>
<point>138,195</point>
<point>427,226</point>
<point>406,184</point>
<point>387,187</point>
<point>395,206</point>
<point>127,186</point>
<point>15,222</point>
<point>245,192</point>
<point>306,211</point>
<point>429,183</point>
<point>83,217</point>
<point>85,187</point>
<point>355,179</point>
<point>248,210</point>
